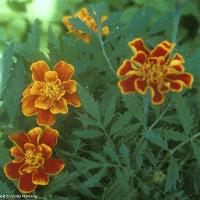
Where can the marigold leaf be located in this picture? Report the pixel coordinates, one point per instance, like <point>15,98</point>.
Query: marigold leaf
<point>93,181</point>
<point>124,151</point>
<point>89,103</point>
<point>122,121</point>
<point>6,67</point>
<point>156,139</point>
<point>60,181</point>
<point>15,89</point>
<point>184,113</point>
<point>109,112</point>
<point>4,189</point>
<point>196,150</point>
<point>172,175</point>
<point>88,134</point>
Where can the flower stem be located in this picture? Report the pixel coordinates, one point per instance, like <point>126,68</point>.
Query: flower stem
<point>171,152</point>
<point>103,49</point>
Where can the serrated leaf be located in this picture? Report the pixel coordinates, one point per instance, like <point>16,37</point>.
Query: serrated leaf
<point>156,139</point>
<point>133,105</point>
<point>89,103</point>
<point>88,122</point>
<point>6,67</point>
<point>94,179</point>
<point>15,89</point>
<point>122,180</point>
<point>4,189</point>
<point>109,150</point>
<point>60,181</point>
<point>184,113</point>
<point>5,156</point>
<point>124,151</point>
<point>172,175</point>
<point>89,164</point>
<point>172,134</point>
<point>121,122</point>
<point>109,112</point>
<point>80,25</point>
<point>53,47</point>
<point>33,39</point>
<point>88,134</point>
<point>196,150</point>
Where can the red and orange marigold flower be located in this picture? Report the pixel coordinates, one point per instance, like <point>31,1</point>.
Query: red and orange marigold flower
<point>153,69</point>
<point>50,93</point>
<point>32,162</point>
<point>83,15</point>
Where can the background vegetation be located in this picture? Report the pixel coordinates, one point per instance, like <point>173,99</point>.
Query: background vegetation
<point>119,148</point>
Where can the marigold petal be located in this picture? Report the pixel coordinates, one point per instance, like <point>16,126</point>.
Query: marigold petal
<point>28,105</point>
<point>105,30</point>
<point>157,96</point>
<point>16,151</point>
<point>179,58</point>
<point>140,86</point>
<point>46,151</point>
<point>53,166</point>
<point>185,78</point>
<point>38,70</point>
<point>29,147</point>
<point>73,99</point>
<point>50,76</point>
<point>20,139</point>
<point>69,86</point>
<point>125,68</point>
<point>138,45</point>
<point>27,90</point>
<point>45,117</point>
<point>36,88</point>
<point>25,183</point>
<point>65,70</point>
<point>85,37</point>
<point>139,57</point>
<point>11,170</point>
<point>59,106</point>
<point>179,68</point>
<point>40,178</point>
<point>163,49</point>
<point>65,20</point>
<point>34,135</point>
<point>164,87</point>
<point>176,86</point>
<point>127,85</point>
<point>49,137</point>
<point>43,102</point>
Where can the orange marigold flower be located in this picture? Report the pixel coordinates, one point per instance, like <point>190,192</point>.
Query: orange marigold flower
<point>83,15</point>
<point>32,162</point>
<point>154,70</point>
<point>50,93</point>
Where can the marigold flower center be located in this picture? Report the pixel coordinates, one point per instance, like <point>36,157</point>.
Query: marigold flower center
<point>50,89</point>
<point>154,73</point>
<point>33,159</point>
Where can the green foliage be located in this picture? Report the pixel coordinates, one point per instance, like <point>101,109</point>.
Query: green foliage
<point>15,89</point>
<point>115,146</point>
<point>172,175</point>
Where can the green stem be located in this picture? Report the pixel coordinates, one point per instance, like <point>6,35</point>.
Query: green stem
<point>177,148</point>
<point>160,117</point>
<point>107,135</point>
<point>104,51</point>
<point>154,124</point>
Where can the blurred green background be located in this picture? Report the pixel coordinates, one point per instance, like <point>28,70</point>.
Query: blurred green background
<point>17,15</point>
